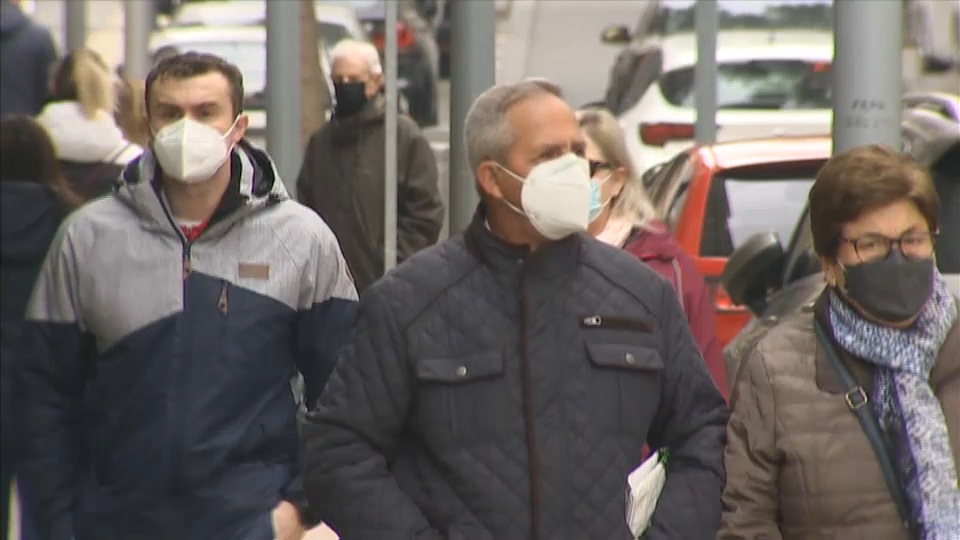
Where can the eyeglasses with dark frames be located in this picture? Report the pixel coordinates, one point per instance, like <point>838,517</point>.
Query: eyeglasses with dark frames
<point>912,244</point>
<point>597,166</point>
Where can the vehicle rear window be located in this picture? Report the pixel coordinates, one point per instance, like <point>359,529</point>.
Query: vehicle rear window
<point>741,205</point>
<point>758,84</point>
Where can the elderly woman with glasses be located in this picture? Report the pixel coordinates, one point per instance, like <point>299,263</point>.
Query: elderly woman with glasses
<point>845,419</point>
<point>622,215</point>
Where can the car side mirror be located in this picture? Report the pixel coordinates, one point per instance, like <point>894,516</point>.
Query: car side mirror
<point>938,64</point>
<point>615,35</point>
<point>754,270</point>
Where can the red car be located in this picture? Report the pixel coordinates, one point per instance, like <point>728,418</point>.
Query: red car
<point>714,197</point>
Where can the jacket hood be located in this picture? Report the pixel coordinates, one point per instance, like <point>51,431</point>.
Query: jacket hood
<point>79,139</point>
<point>11,18</point>
<point>30,216</point>
<point>255,186</point>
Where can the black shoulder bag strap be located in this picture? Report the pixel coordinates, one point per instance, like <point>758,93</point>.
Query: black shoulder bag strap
<point>857,400</point>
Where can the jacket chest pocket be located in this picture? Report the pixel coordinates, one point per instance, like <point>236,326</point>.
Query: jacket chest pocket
<point>460,400</point>
<point>624,386</point>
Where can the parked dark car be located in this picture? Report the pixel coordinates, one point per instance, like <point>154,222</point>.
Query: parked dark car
<point>775,281</point>
<point>416,55</point>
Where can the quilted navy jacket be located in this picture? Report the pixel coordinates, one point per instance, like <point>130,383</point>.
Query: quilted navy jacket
<point>493,393</point>
<point>157,400</point>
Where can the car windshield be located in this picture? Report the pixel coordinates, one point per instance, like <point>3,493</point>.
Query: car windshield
<point>250,57</point>
<point>758,84</point>
<point>678,15</point>
<point>741,205</point>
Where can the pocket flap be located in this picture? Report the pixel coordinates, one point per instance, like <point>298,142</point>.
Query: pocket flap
<point>466,368</point>
<point>624,356</point>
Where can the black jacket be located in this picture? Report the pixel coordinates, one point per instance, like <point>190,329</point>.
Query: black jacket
<point>493,393</point>
<point>342,180</point>
<point>31,214</point>
<point>27,56</point>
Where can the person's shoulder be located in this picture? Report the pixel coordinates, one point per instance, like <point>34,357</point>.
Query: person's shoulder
<point>623,270</point>
<point>298,223</point>
<point>787,348</point>
<point>409,128</point>
<point>96,221</point>
<point>414,284</point>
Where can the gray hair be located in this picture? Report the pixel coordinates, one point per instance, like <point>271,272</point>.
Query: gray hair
<point>632,203</point>
<point>486,132</point>
<point>354,48</point>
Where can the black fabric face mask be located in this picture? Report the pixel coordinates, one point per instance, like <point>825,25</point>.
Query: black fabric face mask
<point>892,289</point>
<point>351,97</point>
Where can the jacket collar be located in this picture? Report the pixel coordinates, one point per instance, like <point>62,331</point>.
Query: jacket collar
<point>254,186</point>
<point>946,368</point>
<point>550,260</point>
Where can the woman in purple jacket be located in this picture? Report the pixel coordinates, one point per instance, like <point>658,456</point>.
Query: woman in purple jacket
<point>623,216</point>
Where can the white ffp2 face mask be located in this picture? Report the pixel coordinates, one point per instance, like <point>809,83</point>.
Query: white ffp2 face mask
<point>190,151</point>
<point>556,196</point>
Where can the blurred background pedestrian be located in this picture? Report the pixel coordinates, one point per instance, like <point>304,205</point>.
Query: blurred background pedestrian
<point>35,199</point>
<point>26,59</point>
<point>90,146</point>
<point>622,215</point>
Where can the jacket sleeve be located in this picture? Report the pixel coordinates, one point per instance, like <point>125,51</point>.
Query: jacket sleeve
<point>308,177</point>
<point>51,379</point>
<point>352,435</point>
<point>690,423</point>
<point>752,459</point>
<point>420,211</point>
<point>327,313</point>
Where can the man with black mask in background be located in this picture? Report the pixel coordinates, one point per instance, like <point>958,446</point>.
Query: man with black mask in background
<point>342,176</point>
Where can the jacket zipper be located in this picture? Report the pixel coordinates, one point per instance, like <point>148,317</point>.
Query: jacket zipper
<point>528,411</point>
<point>222,301</point>
<point>614,323</point>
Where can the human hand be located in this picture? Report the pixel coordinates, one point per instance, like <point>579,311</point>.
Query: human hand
<point>286,522</point>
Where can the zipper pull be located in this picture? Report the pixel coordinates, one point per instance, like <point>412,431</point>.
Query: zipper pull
<point>592,322</point>
<point>186,266</point>
<point>222,303</point>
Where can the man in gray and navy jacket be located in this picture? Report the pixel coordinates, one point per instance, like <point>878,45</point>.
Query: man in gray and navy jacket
<point>166,327</point>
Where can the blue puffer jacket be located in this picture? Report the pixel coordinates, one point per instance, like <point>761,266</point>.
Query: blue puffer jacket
<point>159,397</point>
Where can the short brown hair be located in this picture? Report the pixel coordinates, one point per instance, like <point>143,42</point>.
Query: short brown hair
<point>861,180</point>
<point>192,64</point>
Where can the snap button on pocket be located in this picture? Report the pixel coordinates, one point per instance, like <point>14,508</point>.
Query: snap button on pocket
<point>462,371</point>
<point>629,358</point>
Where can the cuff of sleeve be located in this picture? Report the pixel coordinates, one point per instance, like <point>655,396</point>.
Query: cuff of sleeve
<point>295,495</point>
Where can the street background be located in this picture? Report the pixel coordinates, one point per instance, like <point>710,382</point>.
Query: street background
<point>557,39</point>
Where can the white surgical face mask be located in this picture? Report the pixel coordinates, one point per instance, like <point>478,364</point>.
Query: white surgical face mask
<point>191,151</point>
<point>556,196</point>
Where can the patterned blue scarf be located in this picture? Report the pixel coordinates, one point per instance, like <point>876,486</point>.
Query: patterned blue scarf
<point>909,413</point>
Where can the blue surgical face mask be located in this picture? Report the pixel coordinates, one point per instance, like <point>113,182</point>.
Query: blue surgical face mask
<point>596,192</point>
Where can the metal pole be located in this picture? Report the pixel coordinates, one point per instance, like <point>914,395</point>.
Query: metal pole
<point>390,144</point>
<point>867,74</point>
<point>136,37</point>
<point>707,21</point>
<point>75,24</point>
<point>472,70</point>
<point>283,89</point>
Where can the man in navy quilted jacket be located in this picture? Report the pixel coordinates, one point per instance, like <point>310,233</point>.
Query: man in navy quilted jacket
<point>502,385</point>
